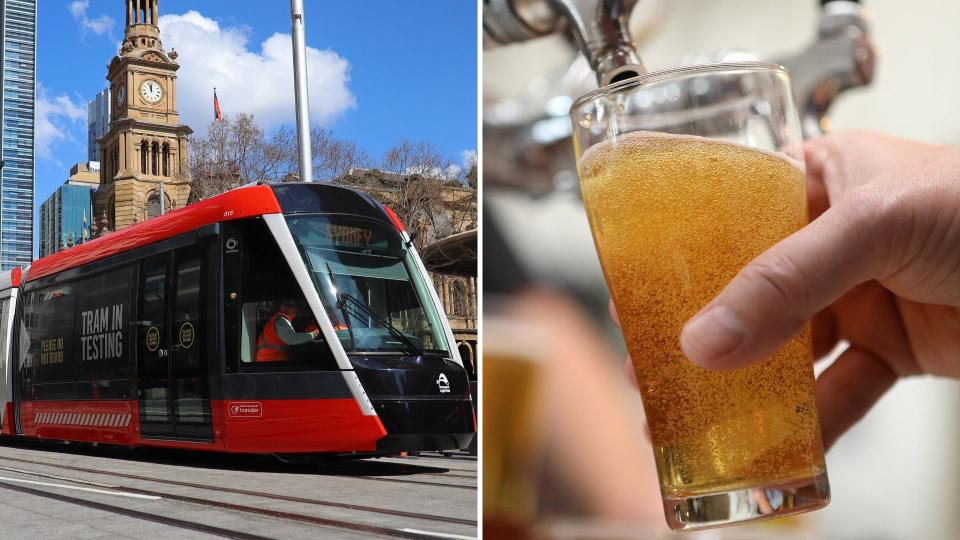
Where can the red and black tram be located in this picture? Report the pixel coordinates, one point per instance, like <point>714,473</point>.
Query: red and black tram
<point>149,336</point>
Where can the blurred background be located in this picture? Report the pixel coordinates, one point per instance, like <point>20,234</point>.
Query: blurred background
<point>894,475</point>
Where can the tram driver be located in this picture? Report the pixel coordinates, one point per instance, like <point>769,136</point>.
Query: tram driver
<point>279,334</point>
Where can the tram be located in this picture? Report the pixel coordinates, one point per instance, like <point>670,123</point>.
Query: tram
<point>152,336</point>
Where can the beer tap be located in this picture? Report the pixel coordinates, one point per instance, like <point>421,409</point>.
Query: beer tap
<point>598,27</point>
<point>842,57</point>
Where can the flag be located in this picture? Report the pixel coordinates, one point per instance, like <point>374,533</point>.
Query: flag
<point>85,232</point>
<point>217,115</point>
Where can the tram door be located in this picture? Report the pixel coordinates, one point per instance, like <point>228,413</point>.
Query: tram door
<point>173,385</point>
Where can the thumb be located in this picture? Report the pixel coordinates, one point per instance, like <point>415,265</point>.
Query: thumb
<point>771,298</point>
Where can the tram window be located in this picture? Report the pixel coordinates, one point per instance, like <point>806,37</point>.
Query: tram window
<point>364,273</point>
<point>192,403</point>
<point>102,325</point>
<point>153,374</point>
<point>50,315</point>
<point>266,283</point>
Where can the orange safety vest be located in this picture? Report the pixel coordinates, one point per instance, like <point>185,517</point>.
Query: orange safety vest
<point>270,348</point>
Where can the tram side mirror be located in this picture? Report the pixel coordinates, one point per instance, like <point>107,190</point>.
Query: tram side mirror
<point>413,236</point>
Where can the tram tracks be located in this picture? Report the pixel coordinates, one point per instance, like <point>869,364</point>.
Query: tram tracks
<point>407,481</point>
<point>147,516</point>
<point>370,477</point>
<point>237,491</point>
<point>356,526</point>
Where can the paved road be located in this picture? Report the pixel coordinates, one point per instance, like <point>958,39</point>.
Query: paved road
<point>58,491</point>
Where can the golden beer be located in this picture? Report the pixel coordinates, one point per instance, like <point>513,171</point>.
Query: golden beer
<point>509,441</point>
<point>674,218</point>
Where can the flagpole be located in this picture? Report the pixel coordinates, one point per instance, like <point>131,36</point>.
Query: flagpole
<point>301,90</point>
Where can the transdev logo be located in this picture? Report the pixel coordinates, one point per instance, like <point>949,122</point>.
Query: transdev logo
<point>443,384</point>
<point>248,409</point>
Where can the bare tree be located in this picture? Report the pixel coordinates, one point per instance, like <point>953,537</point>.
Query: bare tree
<point>470,176</point>
<point>220,160</point>
<point>236,151</point>
<point>332,157</point>
<point>423,158</point>
<point>422,172</point>
<point>423,187</point>
<point>463,207</point>
<point>280,157</point>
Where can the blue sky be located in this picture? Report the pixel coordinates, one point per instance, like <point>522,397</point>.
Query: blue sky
<point>380,70</point>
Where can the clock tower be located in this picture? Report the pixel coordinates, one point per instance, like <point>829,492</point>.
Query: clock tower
<point>144,154</point>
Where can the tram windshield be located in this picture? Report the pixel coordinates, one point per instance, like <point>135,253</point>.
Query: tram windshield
<point>369,285</point>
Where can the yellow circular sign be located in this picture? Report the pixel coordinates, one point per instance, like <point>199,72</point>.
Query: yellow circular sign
<point>187,335</point>
<point>153,338</point>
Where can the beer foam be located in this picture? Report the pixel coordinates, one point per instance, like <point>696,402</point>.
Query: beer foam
<point>652,140</point>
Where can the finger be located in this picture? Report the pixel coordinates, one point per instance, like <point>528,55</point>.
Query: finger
<point>769,300</point>
<point>848,159</point>
<point>631,374</point>
<point>613,313</point>
<point>817,200</point>
<point>837,161</point>
<point>848,389</point>
<point>824,330</point>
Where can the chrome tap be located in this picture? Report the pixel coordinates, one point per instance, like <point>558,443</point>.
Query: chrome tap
<point>598,27</point>
<point>842,57</point>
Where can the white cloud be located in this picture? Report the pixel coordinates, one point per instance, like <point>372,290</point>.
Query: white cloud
<point>58,118</point>
<point>468,158</point>
<point>258,82</point>
<point>452,171</point>
<point>447,173</point>
<point>101,26</point>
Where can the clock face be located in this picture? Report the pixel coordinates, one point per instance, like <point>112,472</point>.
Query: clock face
<point>121,96</point>
<point>151,91</point>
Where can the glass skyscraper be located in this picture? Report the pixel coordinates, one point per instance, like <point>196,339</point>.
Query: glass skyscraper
<point>65,218</point>
<point>98,123</point>
<point>17,93</point>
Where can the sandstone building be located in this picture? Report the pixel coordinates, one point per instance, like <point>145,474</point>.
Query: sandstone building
<point>145,150</point>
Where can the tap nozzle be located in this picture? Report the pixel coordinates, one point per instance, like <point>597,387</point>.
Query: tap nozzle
<point>598,27</point>
<point>617,64</point>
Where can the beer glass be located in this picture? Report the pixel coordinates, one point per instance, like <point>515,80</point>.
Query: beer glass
<point>686,176</point>
<point>512,376</point>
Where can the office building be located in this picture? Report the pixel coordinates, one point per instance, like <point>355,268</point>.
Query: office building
<point>66,216</point>
<point>18,94</point>
<point>98,122</point>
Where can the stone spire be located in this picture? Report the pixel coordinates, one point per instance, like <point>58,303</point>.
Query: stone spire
<point>142,12</point>
<point>142,31</point>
